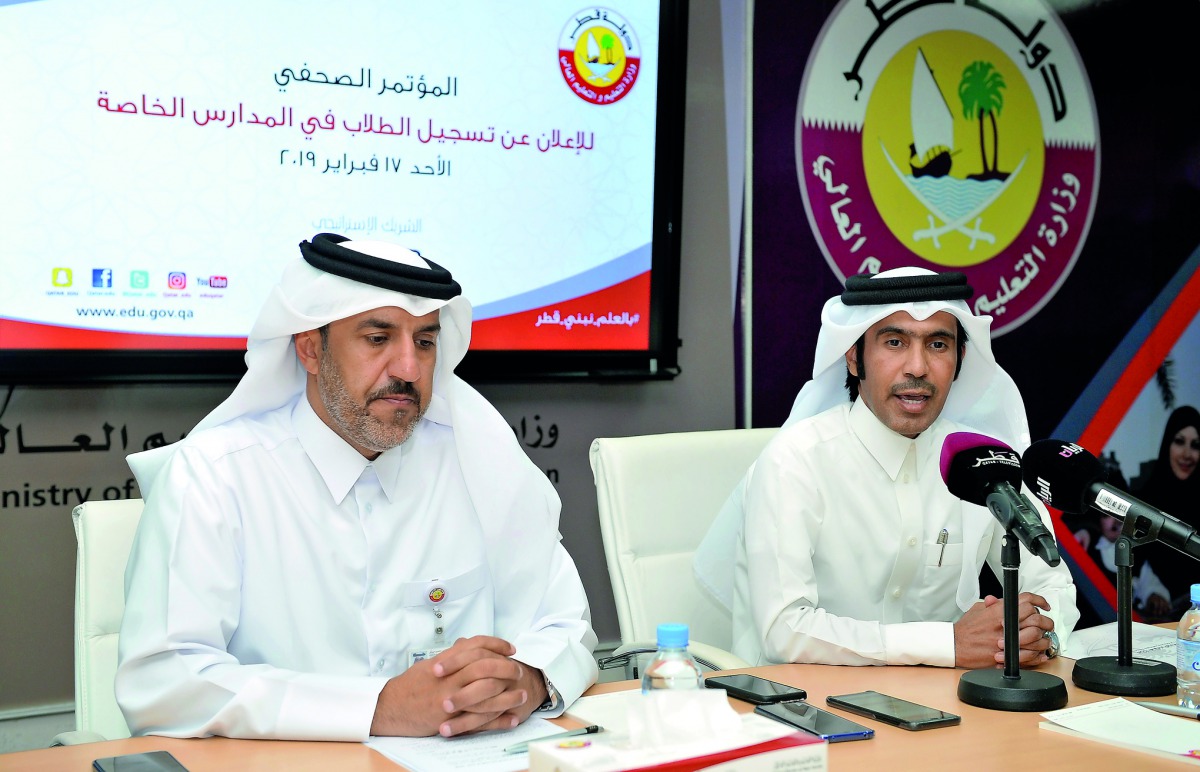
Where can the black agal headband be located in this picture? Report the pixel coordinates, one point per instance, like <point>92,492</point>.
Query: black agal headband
<point>863,290</point>
<point>325,253</point>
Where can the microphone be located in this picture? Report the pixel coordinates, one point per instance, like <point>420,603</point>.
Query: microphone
<point>984,471</point>
<point>1067,477</point>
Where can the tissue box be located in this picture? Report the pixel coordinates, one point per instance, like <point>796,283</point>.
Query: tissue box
<point>761,744</point>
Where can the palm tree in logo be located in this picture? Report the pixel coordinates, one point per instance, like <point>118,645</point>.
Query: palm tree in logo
<point>606,45</point>
<point>981,92</point>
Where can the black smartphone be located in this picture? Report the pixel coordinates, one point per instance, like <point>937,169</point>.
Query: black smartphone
<point>893,710</point>
<point>750,688</point>
<point>809,718</point>
<point>150,761</point>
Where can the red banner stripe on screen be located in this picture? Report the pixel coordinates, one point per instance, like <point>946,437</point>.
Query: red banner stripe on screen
<point>614,318</point>
<point>1142,367</point>
<point>27,335</point>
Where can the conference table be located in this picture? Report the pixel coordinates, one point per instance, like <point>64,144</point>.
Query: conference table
<point>985,740</point>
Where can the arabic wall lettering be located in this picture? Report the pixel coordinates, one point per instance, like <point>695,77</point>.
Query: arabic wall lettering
<point>531,434</point>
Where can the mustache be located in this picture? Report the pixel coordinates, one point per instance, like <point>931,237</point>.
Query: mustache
<point>915,383</point>
<point>396,388</point>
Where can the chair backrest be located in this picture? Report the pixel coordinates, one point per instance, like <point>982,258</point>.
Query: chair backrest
<point>104,531</point>
<point>657,496</point>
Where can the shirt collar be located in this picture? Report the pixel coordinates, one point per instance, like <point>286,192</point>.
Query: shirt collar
<point>886,446</point>
<point>339,464</point>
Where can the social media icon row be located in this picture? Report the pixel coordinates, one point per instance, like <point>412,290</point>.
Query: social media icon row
<point>102,278</point>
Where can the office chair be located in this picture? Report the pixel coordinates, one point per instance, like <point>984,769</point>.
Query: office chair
<point>104,531</point>
<point>657,496</point>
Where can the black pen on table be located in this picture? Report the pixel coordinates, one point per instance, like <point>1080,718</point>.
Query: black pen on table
<point>522,747</point>
<point>1169,709</point>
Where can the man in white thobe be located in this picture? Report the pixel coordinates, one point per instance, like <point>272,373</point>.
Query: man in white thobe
<point>843,544</point>
<point>353,543</point>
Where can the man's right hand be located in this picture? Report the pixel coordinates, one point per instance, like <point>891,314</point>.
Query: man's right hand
<point>412,704</point>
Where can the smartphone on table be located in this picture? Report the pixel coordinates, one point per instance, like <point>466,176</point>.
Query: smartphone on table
<point>809,718</point>
<point>753,689</point>
<point>150,761</point>
<point>893,710</point>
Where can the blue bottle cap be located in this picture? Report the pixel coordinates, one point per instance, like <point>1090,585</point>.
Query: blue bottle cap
<point>675,636</point>
<point>1196,593</point>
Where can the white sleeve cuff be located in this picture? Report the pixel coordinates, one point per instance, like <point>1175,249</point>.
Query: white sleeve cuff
<point>919,643</point>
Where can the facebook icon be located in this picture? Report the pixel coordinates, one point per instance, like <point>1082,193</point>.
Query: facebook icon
<point>102,278</point>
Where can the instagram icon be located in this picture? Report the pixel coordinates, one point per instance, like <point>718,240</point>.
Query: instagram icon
<point>177,280</point>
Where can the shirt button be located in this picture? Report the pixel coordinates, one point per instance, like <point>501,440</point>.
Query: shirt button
<point>896,593</point>
<point>379,665</point>
<point>368,508</point>
<point>912,541</point>
<point>904,478</point>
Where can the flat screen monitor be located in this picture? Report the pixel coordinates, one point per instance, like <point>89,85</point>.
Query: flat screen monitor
<point>162,161</point>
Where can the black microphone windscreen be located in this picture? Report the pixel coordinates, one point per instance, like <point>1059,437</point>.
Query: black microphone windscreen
<point>972,464</point>
<point>1060,473</point>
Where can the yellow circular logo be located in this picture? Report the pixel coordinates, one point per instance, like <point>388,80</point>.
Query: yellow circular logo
<point>599,55</point>
<point>940,180</point>
<point>950,136</point>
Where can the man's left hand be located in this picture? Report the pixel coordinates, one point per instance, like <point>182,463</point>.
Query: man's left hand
<point>1032,626</point>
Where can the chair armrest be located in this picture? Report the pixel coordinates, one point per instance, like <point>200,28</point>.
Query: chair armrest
<point>706,656</point>
<point>77,737</point>
<point>715,658</point>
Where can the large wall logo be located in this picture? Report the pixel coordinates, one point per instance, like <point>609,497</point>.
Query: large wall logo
<point>599,56</point>
<point>951,137</point>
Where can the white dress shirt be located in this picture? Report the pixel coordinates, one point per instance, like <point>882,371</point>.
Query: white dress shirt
<point>840,561</point>
<point>279,578</point>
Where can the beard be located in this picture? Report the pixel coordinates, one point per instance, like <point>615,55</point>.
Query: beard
<point>355,420</point>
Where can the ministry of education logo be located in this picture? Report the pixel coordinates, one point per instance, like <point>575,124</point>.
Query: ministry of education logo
<point>599,55</point>
<point>950,136</point>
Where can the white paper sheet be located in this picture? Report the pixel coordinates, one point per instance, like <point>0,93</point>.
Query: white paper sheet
<point>1121,722</point>
<point>1149,642</point>
<point>477,752</point>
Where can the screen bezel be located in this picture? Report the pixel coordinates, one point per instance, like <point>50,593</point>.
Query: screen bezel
<point>659,361</point>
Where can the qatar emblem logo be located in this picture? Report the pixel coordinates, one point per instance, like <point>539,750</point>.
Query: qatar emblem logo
<point>437,595</point>
<point>599,55</point>
<point>953,137</point>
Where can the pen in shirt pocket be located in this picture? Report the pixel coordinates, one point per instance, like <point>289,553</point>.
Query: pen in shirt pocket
<point>942,538</point>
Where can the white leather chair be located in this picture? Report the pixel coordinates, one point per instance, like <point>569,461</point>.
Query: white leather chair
<point>657,496</point>
<point>104,531</point>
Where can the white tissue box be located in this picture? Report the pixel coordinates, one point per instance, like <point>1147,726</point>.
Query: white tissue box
<point>760,745</point>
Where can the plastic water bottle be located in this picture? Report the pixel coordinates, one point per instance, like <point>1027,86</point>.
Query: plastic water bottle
<point>1187,655</point>
<point>672,667</point>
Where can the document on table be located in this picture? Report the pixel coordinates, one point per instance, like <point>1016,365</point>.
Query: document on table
<point>1123,723</point>
<point>477,752</point>
<point>1149,642</point>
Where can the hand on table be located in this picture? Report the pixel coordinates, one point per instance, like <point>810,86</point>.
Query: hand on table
<point>473,686</point>
<point>979,634</point>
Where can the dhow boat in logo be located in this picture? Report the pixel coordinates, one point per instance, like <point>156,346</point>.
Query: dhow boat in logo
<point>957,135</point>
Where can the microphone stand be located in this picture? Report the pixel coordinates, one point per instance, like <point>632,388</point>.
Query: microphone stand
<point>1123,674</point>
<point>1011,689</point>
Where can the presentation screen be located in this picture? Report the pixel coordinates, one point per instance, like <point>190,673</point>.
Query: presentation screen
<point>163,160</point>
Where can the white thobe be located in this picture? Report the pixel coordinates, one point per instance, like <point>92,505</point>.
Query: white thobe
<point>842,559</point>
<point>279,578</point>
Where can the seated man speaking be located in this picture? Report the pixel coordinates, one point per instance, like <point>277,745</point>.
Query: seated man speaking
<point>852,550</point>
<point>353,543</point>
